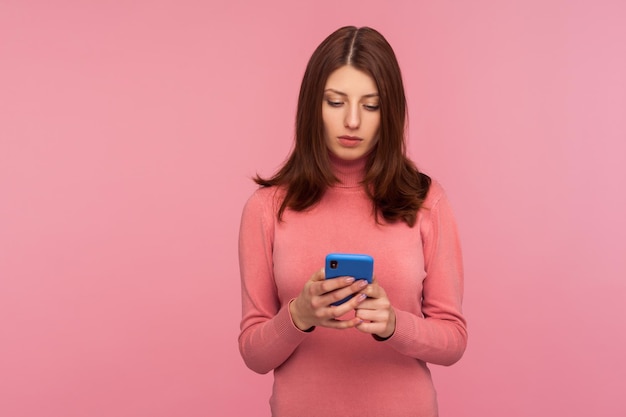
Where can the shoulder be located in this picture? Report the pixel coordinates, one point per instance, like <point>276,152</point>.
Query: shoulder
<point>436,209</point>
<point>263,202</point>
<point>263,194</point>
<point>435,195</point>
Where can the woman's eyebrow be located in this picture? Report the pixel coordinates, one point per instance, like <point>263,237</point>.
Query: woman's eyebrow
<point>345,95</point>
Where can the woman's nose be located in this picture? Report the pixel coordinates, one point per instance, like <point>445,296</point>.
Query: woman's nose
<point>353,118</point>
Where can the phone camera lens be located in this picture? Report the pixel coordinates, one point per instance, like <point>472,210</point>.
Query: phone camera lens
<point>333,264</point>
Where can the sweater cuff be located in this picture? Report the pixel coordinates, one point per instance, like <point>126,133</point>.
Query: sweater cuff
<point>405,333</point>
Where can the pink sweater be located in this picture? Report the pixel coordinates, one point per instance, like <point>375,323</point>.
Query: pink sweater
<point>330,372</point>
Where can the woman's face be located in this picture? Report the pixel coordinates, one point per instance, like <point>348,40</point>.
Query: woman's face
<point>350,112</point>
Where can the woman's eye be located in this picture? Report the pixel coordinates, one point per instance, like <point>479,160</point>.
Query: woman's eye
<point>371,107</point>
<point>334,103</point>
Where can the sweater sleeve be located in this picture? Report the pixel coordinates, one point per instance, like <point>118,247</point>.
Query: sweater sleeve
<point>440,335</point>
<point>268,336</point>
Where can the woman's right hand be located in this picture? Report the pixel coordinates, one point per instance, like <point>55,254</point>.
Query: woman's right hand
<point>313,307</point>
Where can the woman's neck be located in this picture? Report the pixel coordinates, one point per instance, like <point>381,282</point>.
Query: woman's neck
<point>350,173</point>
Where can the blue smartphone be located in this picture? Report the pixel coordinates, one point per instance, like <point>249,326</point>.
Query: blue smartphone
<point>349,265</point>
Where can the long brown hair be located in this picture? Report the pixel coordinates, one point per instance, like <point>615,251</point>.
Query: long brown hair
<point>393,183</point>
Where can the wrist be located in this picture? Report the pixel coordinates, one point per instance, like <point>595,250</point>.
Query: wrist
<point>295,319</point>
<point>380,338</point>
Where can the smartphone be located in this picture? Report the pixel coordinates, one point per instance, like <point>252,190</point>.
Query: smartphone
<point>349,265</point>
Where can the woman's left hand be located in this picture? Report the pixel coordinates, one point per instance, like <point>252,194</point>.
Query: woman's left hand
<point>378,316</point>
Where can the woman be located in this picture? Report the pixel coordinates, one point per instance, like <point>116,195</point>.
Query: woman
<point>348,186</point>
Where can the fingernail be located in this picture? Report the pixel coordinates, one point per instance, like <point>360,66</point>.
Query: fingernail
<point>363,283</point>
<point>362,297</point>
<point>349,280</point>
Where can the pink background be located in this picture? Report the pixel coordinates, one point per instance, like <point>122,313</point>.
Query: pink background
<point>129,131</point>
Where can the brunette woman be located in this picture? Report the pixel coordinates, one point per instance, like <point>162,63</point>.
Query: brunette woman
<point>348,186</point>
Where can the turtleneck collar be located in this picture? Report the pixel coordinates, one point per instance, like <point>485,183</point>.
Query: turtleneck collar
<point>349,173</point>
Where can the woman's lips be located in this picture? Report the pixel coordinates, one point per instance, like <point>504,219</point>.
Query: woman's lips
<point>349,141</point>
